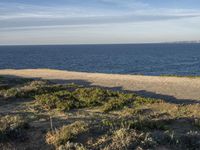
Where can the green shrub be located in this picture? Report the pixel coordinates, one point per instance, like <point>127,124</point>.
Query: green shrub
<point>63,100</point>
<point>141,101</point>
<point>33,88</point>
<point>25,90</point>
<point>117,103</point>
<point>114,104</point>
<point>84,97</point>
<point>37,88</point>
<point>93,96</point>
<point>12,92</point>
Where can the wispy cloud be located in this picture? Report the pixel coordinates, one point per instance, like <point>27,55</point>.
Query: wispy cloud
<point>28,15</point>
<point>43,21</point>
<point>38,15</point>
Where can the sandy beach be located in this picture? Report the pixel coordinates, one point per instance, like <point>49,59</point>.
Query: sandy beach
<point>177,89</point>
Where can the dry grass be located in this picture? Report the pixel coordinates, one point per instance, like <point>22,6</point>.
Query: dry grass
<point>66,133</point>
<point>12,127</point>
<point>93,118</point>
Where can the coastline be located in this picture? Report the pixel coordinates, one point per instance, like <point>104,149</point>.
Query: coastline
<point>165,87</point>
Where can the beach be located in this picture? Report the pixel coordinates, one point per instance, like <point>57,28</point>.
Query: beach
<point>177,89</point>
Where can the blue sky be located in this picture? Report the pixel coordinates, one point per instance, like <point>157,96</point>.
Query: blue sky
<point>98,21</point>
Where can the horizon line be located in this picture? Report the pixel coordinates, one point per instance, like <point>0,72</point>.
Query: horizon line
<point>60,44</point>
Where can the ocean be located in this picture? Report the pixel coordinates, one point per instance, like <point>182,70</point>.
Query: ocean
<point>143,59</point>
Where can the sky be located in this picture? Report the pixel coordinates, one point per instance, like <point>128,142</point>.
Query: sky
<point>30,22</point>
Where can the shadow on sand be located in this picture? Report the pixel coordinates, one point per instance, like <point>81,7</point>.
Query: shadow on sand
<point>144,93</point>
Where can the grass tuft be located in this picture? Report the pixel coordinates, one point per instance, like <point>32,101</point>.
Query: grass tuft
<point>66,133</point>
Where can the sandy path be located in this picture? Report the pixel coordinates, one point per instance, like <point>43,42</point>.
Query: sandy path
<point>169,88</point>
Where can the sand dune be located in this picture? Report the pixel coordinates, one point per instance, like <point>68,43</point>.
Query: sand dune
<point>178,89</point>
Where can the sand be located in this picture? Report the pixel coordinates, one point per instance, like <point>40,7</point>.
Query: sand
<point>174,89</point>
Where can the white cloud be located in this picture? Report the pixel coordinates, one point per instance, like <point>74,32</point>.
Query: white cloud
<point>103,15</point>
<point>18,10</point>
<point>127,3</point>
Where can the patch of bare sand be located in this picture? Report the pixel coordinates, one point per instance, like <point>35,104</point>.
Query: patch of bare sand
<point>170,88</point>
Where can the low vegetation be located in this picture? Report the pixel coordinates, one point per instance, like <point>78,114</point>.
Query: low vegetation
<point>66,133</point>
<point>39,114</point>
<point>83,98</point>
<point>13,127</point>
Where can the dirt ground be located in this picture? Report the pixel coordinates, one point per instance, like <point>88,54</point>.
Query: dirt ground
<point>176,89</point>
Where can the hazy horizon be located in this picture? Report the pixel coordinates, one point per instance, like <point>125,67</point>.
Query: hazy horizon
<point>37,22</point>
<point>77,44</point>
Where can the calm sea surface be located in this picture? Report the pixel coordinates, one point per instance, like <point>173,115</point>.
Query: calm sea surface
<point>146,59</point>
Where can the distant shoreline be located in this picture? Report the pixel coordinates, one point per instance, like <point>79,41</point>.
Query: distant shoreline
<point>170,88</point>
<point>84,72</point>
<point>82,44</point>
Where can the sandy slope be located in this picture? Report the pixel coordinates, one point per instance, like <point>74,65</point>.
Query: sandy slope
<point>169,88</point>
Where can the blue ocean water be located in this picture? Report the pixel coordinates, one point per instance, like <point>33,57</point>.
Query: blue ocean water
<point>146,59</point>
